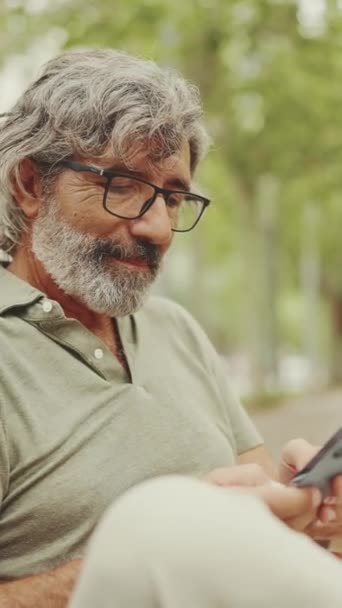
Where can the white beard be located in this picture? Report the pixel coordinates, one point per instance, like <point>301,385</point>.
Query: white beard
<point>77,264</point>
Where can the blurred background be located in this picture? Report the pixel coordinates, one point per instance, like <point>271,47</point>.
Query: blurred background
<point>263,270</point>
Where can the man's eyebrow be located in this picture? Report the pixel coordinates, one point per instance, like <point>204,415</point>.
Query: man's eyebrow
<point>176,183</point>
<point>179,184</point>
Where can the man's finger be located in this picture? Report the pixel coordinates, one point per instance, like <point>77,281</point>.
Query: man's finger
<point>286,471</point>
<point>287,503</point>
<point>240,475</point>
<point>336,487</point>
<point>302,522</point>
<point>327,514</point>
<point>297,453</point>
<point>321,530</point>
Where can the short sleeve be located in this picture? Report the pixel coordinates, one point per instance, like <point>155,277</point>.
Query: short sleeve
<point>244,431</point>
<point>241,428</point>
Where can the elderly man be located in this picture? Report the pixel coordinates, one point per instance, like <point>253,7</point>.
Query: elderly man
<point>102,389</point>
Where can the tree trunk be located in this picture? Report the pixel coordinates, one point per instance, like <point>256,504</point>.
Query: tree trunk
<point>259,251</point>
<point>336,316</point>
<point>310,274</point>
<point>269,266</point>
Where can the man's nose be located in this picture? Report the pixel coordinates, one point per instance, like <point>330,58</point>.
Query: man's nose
<point>154,225</point>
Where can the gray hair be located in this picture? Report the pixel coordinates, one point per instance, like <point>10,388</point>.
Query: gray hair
<point>89,99</point>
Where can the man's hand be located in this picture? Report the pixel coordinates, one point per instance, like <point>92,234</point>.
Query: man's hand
<point>295,507</point>
<point>239,475</point>
<point>47,590</point>
<point>296,454</point>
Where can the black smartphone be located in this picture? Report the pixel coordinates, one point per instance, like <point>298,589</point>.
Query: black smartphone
<point>323,467</point>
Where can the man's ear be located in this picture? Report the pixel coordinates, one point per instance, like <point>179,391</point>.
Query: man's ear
<point>27,188</point>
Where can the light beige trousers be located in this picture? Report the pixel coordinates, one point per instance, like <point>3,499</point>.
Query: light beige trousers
<point>179,543</point>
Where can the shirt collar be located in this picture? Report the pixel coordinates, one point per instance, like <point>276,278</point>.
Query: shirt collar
<point>15,292</point>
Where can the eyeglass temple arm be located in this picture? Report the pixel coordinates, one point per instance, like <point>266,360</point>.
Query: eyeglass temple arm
<point>80,167</point>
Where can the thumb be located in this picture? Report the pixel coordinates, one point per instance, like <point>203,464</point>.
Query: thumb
<point>295,455</point>
<point>286,502</point>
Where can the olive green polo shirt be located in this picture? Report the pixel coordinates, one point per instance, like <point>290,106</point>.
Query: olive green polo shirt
<point>77,430</point>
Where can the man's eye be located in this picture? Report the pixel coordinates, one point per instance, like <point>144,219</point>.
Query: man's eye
<point>122,184</point>
<point>120,187</point>
<point>174,200</point>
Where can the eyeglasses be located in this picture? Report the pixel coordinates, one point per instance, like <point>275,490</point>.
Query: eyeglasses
<point>129,198</point>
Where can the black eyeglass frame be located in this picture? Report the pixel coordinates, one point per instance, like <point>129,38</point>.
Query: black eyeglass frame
<point>110,175</point>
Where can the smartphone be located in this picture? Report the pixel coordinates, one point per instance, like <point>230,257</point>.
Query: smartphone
<point>323,467</point>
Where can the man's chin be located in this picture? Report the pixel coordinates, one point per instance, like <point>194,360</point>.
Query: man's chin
<point>123,309</point>
<point>108,302</point>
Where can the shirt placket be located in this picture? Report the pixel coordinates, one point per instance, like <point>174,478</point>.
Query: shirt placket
<point>49,317</point>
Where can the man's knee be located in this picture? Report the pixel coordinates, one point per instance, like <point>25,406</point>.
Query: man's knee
<point>169,535</point>
<point>171,520</point>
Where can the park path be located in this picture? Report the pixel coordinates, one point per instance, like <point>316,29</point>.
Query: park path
<point>314,417</point>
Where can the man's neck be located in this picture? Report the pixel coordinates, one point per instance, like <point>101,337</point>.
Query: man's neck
<point>26,267</point>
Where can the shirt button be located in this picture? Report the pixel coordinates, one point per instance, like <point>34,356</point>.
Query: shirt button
<point>47,306</point>
<point>98,353</point>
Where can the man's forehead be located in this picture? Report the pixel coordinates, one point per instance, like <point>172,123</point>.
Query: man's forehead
<point>143,160</point>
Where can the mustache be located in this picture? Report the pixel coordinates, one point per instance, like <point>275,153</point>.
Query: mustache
<point>140,250</point>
